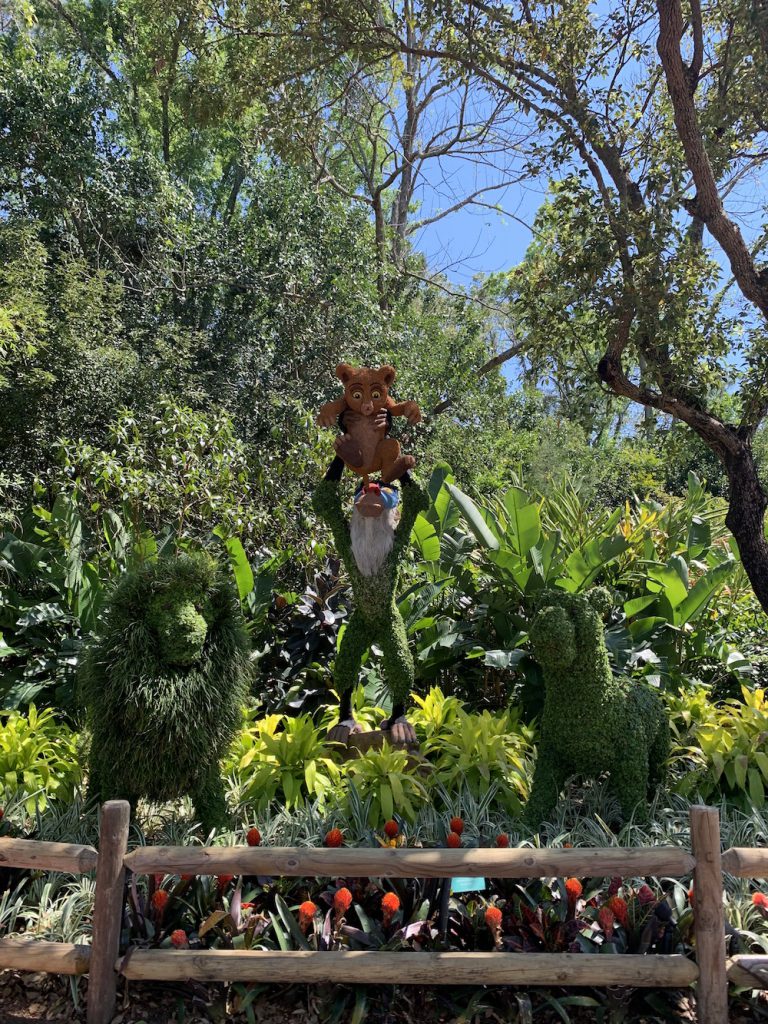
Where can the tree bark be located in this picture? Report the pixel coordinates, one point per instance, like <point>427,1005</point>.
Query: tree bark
<point>747,505</point>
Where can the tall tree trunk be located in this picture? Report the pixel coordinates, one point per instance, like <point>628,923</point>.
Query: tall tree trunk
<point>747,504</point>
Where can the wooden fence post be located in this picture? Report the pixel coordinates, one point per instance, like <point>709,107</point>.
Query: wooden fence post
<point>708,919</point>
<point>108,911</point>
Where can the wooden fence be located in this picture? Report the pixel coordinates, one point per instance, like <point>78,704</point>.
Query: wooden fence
<point>101,961</point>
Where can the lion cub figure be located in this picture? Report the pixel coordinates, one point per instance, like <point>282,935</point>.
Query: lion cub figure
<point>364,446</point>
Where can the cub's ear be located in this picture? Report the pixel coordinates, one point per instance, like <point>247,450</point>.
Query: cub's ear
<point>344,372</point>
<point>387,373</point>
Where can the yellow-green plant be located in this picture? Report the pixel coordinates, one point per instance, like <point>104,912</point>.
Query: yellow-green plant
<point>369,716</point>
<point>282,757</point>
<point>435,714</point>
<point>38,757</point>
<point>390,781</point>
<point>478,751</point>
<point>722,749</point>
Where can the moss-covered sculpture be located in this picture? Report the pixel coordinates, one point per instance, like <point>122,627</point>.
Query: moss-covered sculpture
<point>165,684</point>
<point>592,721</point>
<point>376,618</point>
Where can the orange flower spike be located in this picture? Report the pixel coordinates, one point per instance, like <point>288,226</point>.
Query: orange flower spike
<point>493,918</point>
<point>606,920</point>
<point>457,826</point>
<point>502,841</point>
<point>574,889</point>
<point>159,900</point>
<point>222,881</point>
<point>391,829</point>
<point>760,900</point>
<point>179,939</point>
<point>334,838</point>
<point>307,912</point>
<point>619,909</point>
<point>390,904</point>
<point>453,840</point>
<point>253,837</point>
<point>342,901</point>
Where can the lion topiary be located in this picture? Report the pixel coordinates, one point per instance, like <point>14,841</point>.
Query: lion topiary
<point>165,684</point>
<point>592,721</point>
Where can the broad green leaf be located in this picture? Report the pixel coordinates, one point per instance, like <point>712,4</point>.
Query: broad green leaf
<point>425,538</point>
<point>524,522</point>
<point>474,518</point>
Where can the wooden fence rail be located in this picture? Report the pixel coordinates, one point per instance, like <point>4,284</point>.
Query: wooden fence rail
<point>101,961</point>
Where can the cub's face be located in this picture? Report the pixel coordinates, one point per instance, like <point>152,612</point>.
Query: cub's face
<point>365,390</point>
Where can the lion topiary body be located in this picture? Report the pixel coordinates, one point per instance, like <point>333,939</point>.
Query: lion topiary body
<point>592,721</point>
<point>165,684</point>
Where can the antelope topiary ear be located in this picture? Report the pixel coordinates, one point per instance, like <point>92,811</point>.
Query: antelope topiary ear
<point>601,600</point>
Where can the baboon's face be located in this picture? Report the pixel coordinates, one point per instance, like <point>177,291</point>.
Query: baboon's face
<point>178,618</point>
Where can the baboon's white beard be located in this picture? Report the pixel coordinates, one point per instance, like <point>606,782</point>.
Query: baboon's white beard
<point>372,539</point>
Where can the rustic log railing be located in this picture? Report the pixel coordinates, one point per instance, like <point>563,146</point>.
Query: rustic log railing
<point>710,972</point>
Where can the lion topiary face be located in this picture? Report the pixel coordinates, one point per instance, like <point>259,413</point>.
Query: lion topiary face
<point>177,617</point>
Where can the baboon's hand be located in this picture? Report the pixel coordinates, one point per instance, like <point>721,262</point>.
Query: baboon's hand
<point>403,733</point>
<point>341,732</point>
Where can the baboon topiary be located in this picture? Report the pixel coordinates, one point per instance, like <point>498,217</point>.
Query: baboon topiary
<point>592,721</point>
<point>165,684</point>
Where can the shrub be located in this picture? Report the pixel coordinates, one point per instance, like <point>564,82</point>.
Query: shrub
<point>39,757</point>
<point>721,750</point>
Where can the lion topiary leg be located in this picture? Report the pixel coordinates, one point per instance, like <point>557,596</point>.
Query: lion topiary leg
<point>210,801</point>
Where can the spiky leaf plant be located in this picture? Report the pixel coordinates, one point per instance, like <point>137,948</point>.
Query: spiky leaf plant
<point>164,685</point>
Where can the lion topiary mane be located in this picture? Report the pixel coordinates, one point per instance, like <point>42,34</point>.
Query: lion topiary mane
<point>164,685</point>
<point>592,722</point>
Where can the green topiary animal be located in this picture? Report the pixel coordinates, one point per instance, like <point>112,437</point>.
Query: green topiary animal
<point>592,722</point>
<point>165,684</point>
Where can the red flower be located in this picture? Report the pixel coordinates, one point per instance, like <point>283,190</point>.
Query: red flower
<point>222,881</point>
<point>457,826</point>
<point>2,813</point>
<point>390,904</point>
<point>759,899</point>
<point>307,912</point>
<point>574,889</point>
<point>618,907</point>
<point>645,895</point>
<point>453,839</point>
<point>179,939</point>
<point>158,878</point>
<point>253,837</point>
<point>186,878</point>
<point>391,829</point>
<point>502,840</point>
<point>613,888</point>
<point>334,837</point>
<point>493,918</point>
<point>246,906</point>
<point>342,901</point>
<point>606,920</point>
<point>159,900</point>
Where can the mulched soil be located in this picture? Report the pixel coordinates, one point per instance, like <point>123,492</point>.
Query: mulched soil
<point>26,998</point>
